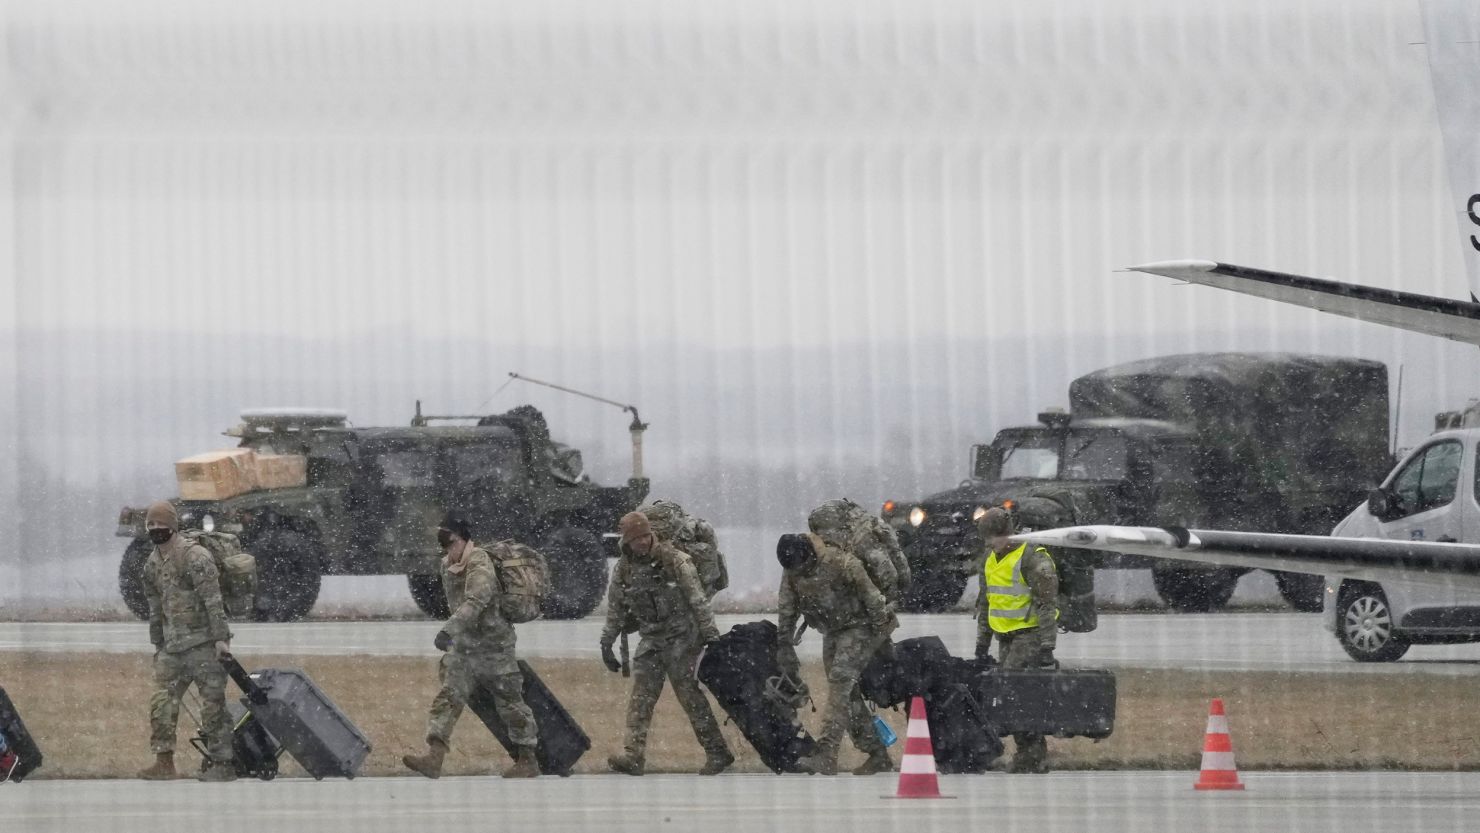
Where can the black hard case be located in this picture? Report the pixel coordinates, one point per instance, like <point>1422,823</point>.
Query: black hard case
<point>24,746</point>
<point>1069,702</point>
<point>300,717</point>
<point>735,670</point>
<point>562,741</point>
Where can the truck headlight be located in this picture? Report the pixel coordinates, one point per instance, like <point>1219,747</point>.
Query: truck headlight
<point>207,523</point>
<point>917,516</point>
<point>980,511</point>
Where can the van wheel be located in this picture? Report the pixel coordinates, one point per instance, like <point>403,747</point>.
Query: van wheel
<point>1195,591</point>
<point>131,577</point>
<point>428,594</point>
<point>577,572</point>
<point>1365,627</point>
<point>288,575</point>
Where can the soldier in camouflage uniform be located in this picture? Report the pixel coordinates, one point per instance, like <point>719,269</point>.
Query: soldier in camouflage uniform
<point>479,643</point>
<point>845,525</point>
<point>656,588</point>
<point>187,624</point>
<point>837,597</point>
<point>1020,606</point>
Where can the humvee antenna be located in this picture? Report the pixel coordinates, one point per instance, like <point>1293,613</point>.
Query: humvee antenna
<point>636,428</point>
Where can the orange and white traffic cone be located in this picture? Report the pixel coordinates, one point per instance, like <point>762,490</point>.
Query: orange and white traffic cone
<point>917,777</point>
<point>1218,769</point>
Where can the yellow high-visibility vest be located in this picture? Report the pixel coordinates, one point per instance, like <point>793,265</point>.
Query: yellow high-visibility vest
<point>1009,601</point>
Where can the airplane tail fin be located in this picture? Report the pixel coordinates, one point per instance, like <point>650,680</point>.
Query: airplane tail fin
<point>1452,34</point>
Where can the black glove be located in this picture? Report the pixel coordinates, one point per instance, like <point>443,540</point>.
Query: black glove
<point>886,650</point>
<point>609,657</point>
<point>443,640</point>
<point>982,651</point>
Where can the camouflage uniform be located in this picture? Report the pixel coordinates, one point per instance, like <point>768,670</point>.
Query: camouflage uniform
<point>838,598</point>
<point>186,619</point>
<point>1028,648</point>
<point>482,652</point>
<point>661,595</point>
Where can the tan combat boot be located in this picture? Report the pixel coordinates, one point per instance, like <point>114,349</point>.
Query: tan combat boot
<point>163,768</point>
<point>525,764</point>
<point>717,761</point>
<point>429,764</point>
<point>821,762</point>
<point>876,763</point>
<point>625,764</point>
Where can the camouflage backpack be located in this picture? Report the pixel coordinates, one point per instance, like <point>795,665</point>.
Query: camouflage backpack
<point>524,577</point>
<point>694,536</point>
<point>235,569</point>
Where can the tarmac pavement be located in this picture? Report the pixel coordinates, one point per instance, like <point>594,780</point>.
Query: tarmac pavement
<point>1105,802</point>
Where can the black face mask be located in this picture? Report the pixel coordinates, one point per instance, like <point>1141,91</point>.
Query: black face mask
<point>444,538</point>
<point>161,536</point>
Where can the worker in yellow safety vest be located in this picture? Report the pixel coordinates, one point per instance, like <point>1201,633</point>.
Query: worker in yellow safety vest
<point>1019,603</point>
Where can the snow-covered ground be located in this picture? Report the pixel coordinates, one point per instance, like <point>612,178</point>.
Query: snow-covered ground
<point>90,583</point>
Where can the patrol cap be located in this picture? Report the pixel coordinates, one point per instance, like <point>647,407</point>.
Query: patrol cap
<point>455,524</point>
<point>161,513</point>
<point>794,551</point>
<point>634,526</point>
<point>995,522</point>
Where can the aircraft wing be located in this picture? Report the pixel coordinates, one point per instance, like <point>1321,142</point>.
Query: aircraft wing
<point>1430,562</point>
<point>1457,320</point>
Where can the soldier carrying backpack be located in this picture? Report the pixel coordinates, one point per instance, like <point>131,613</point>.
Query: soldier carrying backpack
<point>695,537</point>
<point>847,526</point>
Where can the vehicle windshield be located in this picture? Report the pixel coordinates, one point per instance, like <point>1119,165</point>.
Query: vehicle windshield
<point>1090,455</point>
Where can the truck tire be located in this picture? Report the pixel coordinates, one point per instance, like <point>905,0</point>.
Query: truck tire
<point>1365,626</point>
<point>1195,591</point>
<point>428,594</point>
<point>288,574</point>
<point>1304,592</point>
<point>131,577</point>
<point>932,591</point>
<point>577,572</point>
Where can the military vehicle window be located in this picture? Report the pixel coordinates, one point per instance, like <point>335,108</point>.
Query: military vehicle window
<point>407,470</point>
<point>1097,456</point>
<point>1035,456</point>
<point>482,463</point>
<point>1430,479</point>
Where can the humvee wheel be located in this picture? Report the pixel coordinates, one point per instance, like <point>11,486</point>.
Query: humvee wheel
<point>577,572</point>
<point>428,594</point>
<point>1195,591</point>
<point>131,577</point>
<point>933,591</point>
<point>288,575</point>
<point>1305,593</point>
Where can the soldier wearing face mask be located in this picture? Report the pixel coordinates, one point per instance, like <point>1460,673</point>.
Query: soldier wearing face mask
<point>479,644</point>
<point>187,624</point>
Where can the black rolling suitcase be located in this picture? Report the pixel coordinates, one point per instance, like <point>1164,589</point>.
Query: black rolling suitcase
<point>736,669</point>
<point>961,734</point>
<point>1070,702</point>
<point>299,716</point>
<point>255,753</point>
<point>562,741</point>
<point>19,754</point>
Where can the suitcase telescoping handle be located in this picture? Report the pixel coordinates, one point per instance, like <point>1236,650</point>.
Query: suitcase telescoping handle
<point>255,693</point>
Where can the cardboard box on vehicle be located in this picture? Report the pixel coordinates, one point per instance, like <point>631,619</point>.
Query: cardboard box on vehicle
<point>281,471</point>
<point>217,475</point>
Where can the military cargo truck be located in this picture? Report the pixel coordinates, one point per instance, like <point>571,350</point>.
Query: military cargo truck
<point>374,497</point>
<point>1274,442</point>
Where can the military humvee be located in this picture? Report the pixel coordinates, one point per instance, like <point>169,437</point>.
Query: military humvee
<point>375,496</point>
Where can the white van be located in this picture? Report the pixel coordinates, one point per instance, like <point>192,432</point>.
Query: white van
<point>1430,496</point>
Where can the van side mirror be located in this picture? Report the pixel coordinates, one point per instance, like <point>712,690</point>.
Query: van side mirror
<point>1381,503</point>
<point>986,462</point>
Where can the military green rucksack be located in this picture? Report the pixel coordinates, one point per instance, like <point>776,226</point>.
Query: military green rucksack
<point>235,569</point>
<point>694,536</point>
<point>524,576</point>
